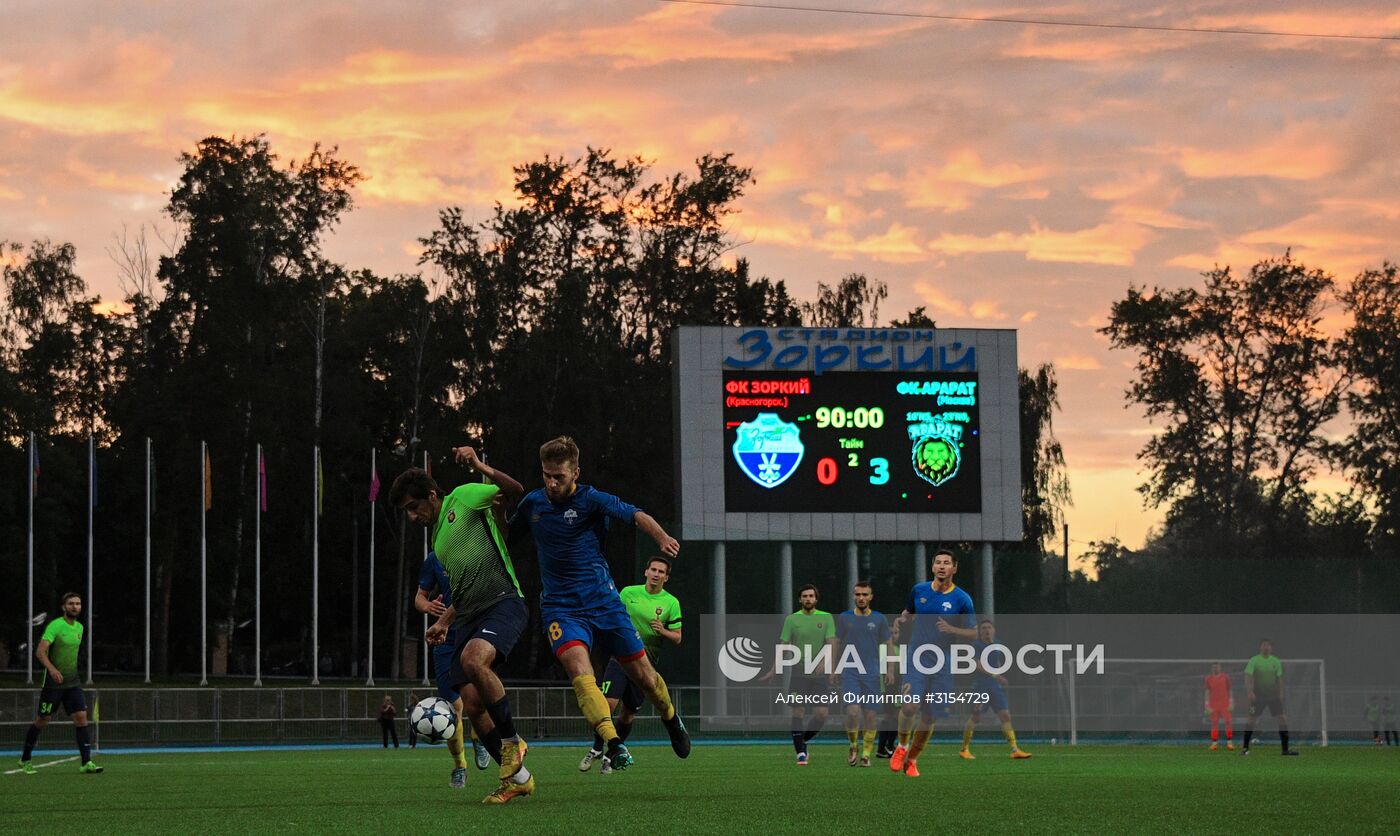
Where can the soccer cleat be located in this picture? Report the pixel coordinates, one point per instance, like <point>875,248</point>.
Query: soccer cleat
<point>588,759</point>
<point>680,738</point>
<point>1230,747</point>
<point>801,758</point>
<point>911,768</point>
<point>512,757</point>
<point>508,790</point>
<point>897,759</point>
<point>483,757</point>
<point>27,768</point>
<point>1292,753</point>
<point>89,768</point>
<point>865,762</point>
<point>1018,755</point>
<point>883,753</point>
<point>606,768</point>
<point>853,758</point>
<point>1244,751</point>
<point>459,778</point>
<point>966,755</point>
<point>1214,746</point>
<point>618,757</point>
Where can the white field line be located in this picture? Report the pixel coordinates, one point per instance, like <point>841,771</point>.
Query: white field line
<point>42,765</point>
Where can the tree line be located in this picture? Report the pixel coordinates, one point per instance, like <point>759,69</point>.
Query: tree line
<point>551,315</point>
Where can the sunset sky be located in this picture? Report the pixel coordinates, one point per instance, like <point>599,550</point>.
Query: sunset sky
<point>1003,175</point>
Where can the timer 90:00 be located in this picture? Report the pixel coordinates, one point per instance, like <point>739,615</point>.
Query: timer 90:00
<point>860,417</point>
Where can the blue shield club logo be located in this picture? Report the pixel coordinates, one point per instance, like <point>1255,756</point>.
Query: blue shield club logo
<point>768,449</point>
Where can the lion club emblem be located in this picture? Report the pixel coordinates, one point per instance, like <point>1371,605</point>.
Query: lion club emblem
<point>451,517</point>
<point>936,459</point>
<point>768,449</point>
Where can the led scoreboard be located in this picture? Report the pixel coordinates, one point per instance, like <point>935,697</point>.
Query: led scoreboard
<point>846,434</point>
<point>852,441</point>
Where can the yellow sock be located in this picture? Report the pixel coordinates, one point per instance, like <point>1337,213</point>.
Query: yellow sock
<point>869,743</point>
<point>1010,733</point>
<point>920,741</point>
<point>968,730</point>
<point>904,725</point>
<point>454,746</point>
<point>661,698</point>
<point>852,729</point>
<point>594,707</point>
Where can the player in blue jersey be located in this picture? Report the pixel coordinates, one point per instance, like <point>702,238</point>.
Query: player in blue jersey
<point>865,631</point>
<point>579,604</point>
<point>434,596</point>
<point>942,613</point>
<point>991,684</point>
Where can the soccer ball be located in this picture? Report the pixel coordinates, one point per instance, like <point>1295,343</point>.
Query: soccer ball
<point>433,720</point>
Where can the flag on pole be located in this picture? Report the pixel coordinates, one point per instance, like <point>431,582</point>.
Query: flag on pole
<point>373,483</point>
<point>262,480</point>
<point>208,482</point>
<point>320,485</point>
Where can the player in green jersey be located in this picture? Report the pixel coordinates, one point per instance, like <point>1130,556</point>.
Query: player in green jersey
<point>58,653</point>
<point>487,608</point>
<point>1263,681</point>
<point>809,629</point>
<point>657,616</point>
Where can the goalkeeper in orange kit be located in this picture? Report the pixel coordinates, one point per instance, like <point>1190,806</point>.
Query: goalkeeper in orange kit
<point>1219,704</point>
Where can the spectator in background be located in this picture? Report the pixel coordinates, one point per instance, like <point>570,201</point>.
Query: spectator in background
<point>1373,716</point>
<point>386,721</point>
<point>1388,718</point>
<point>408,721</point>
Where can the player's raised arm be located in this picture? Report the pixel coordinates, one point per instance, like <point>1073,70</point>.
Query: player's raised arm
<point>510,488</point>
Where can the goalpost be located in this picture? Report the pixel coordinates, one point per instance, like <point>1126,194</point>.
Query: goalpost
<point>1165,697</point>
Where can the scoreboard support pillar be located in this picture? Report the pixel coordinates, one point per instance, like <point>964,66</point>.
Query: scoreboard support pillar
<point>920,562</point>
<point>986,606</point>
<point>785,600</point>
<point>720,609</point>
<point>852,565</point>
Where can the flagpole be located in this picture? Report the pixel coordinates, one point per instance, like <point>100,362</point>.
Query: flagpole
<point>373,496</point>
<point>92,500</point>
<point>203,564</point>
<point>148,560</point>
<point>316,570</point>
<point>29,624</point>
<point>425,615</point>
<point>257,574</point>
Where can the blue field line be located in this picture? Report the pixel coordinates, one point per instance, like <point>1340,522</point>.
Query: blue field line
<point>316,747</point>
<point>710,741</point>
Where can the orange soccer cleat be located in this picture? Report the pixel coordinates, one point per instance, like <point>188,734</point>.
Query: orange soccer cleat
<point>966,755</point>
<point>897,759</point>
<point>911,768</point>
<point>1018,755</point>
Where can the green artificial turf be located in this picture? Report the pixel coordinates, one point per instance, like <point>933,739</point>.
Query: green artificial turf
<point>720,789</point>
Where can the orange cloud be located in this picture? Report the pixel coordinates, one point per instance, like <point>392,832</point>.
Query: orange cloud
<point>1114,242</point>
<point>1077,362</point>
<point>897,244</point>
<point>1305,152</point>
<point>676,33</point>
